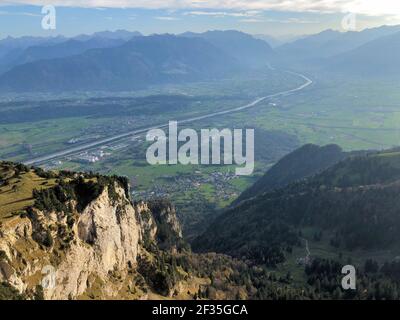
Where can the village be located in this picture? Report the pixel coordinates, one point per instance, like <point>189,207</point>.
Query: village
<point>217,184</point>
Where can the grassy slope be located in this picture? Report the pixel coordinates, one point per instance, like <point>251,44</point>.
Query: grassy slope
<point>18,194</point>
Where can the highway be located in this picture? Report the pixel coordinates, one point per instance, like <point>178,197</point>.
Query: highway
<point>100,142</point>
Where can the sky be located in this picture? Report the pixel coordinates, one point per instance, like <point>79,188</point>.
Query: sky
<point>279,18</point>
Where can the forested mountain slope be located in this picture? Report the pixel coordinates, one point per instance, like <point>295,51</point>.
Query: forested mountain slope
<point>355,202</point>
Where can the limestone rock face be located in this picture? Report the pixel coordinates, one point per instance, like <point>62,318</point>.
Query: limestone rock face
<point>108,240</point>
<point>169,214</point>
<point>100,242</point>
<point>163,213</point>
<point>148,225</point>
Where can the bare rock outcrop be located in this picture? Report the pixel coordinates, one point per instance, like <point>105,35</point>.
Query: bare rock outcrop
<point>71,249</point>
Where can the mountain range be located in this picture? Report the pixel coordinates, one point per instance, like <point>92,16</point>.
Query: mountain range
<point>58,50</point>
<point>139,62</point>
<point>123,60</point>
<point>330,43</point>
<point>243,47</point>
<point>379,57</point>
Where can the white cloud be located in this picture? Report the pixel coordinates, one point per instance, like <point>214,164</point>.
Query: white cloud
<point>367,7</point>
<point>167,18</point>
<point>223,13</point>
<point>293,21</point>
<point>27,14</point>
<point>252,20</point>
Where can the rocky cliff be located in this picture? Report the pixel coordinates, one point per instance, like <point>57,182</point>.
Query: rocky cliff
<point>59,248</point>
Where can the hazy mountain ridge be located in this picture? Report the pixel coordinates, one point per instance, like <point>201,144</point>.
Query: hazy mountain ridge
<point>17,45</point>
<point>243,47</point>
<point>11,45</point>
<point>141,61</point>
<point>59,50</point>
<point>375,58</point>
<point>331,43</point>
<point>17,51</point>
<point>123,63</point>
